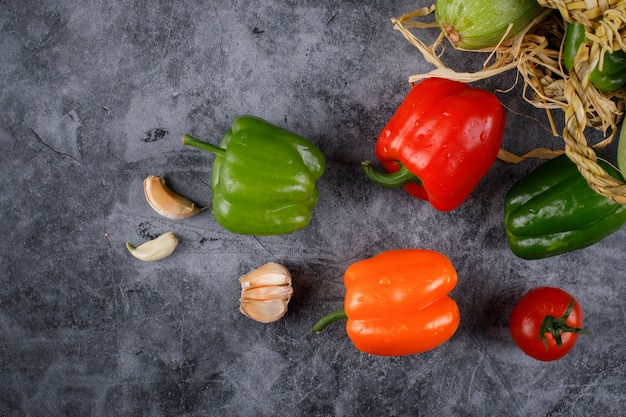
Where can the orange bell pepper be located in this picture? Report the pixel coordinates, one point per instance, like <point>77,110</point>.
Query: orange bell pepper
<point>397,303</point>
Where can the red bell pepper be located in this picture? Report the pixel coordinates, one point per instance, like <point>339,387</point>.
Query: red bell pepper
<point>441,141</point>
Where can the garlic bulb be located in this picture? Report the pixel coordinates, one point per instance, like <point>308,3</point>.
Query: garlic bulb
<point>167,202</point>
<point>265,293</point>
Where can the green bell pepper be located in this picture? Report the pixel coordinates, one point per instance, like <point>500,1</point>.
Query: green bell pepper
<point>553,210</point>
<point>613,74</point>
<point>263,178</point>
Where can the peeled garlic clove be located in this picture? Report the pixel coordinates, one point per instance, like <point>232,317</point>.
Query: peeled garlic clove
<point>165,201</point>
<point>265,293</point>
<point>155,249</point>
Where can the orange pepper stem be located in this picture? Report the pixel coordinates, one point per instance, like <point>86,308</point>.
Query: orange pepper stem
<point>329,318</point>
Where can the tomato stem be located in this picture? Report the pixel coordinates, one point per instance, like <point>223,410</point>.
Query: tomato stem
<point>329,318</point>
<point>557,326</point>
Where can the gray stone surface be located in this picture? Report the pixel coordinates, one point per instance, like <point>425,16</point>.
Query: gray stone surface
<point>96,95</point>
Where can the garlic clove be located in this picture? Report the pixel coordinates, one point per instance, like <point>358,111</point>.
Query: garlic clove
<point>269,274</point>
<point>266,311</point>
<point>155,249</point>
<point>269,293</point>
<point>167,202</point>
<point>265,293</point>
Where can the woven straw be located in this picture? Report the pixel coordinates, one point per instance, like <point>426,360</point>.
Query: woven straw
<point>535,52</point>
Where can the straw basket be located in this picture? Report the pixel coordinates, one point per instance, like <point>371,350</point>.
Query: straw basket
<point>535,52</point>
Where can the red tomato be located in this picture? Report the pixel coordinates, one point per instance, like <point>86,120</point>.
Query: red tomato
<point>546,322</point>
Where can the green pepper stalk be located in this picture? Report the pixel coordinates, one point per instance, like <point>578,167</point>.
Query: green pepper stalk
<point>263,178</point>
<point>205,146</point>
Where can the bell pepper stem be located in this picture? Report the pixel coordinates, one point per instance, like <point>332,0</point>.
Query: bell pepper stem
<point>205,146</point>
<point>394,179</point>
<point>556,326</point>
<point>329,318</point>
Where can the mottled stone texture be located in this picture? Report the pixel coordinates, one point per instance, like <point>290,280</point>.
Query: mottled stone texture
<point>95,95</point>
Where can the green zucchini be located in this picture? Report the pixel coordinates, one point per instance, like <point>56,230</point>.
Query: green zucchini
<point>479,24</point>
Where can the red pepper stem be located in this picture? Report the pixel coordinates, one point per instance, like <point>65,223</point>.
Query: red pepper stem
<point>556,326</point>
<point>205,146</point>
<point>329,318</point>
<point>394,179</point>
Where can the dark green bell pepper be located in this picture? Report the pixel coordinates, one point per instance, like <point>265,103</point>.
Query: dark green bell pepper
<point>263,178</point>
<point>553,210</point>
<point>613,74</point>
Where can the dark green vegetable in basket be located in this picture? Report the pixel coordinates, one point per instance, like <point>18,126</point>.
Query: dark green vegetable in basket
<point>613,74</point>
<point>553,210</point>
